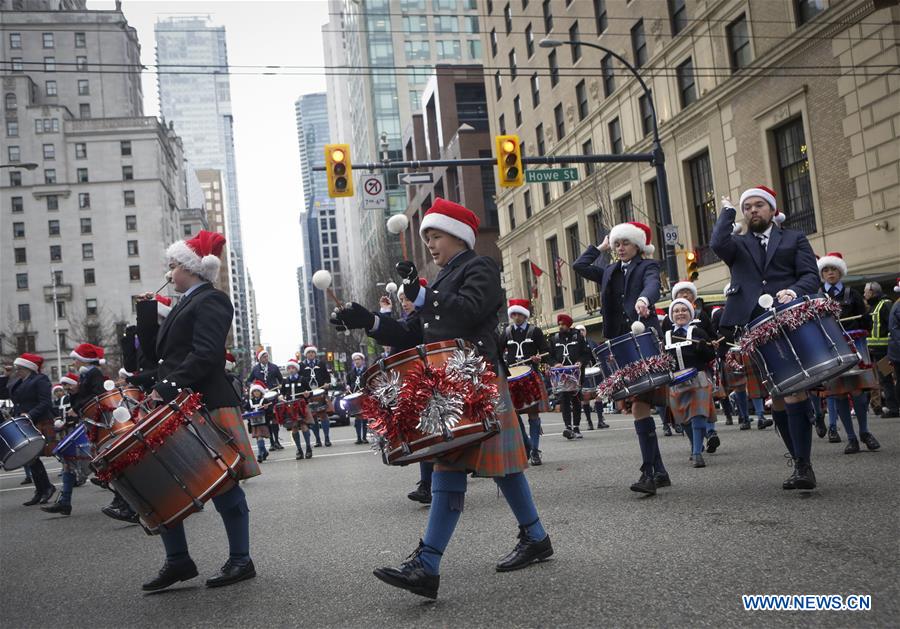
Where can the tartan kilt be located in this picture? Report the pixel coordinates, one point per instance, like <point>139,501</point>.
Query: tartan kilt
<point>692,398</point>
<point>498,456</point>
<point>525,389</point>
<point>228,418</point>
<point>755,386</point>
<point>852,384</point>
<point>51,437</point>
<point>653,398</point>
<point>733,380</point>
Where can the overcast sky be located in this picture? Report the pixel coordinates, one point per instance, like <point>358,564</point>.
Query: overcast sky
<point>268,162</point>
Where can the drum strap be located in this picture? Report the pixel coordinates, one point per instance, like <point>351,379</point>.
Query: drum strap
<point>679,345</point>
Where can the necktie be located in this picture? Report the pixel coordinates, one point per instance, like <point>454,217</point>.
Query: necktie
<point>833,291</point>
<point>763,241</point>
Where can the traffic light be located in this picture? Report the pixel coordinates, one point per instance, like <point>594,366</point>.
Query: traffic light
<point>693,263</point>
<point>509,161</point>
<point>339,170</point>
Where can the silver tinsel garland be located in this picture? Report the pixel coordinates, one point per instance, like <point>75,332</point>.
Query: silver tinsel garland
<point>443,412</point>
<point>386,389</point>
<point>466,365</point>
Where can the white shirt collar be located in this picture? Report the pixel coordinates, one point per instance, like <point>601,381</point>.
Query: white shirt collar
<point>766,234</point>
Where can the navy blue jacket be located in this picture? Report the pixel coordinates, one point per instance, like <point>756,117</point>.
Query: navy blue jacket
<point>789,263</point>
<point>30,396</point>
<point>271,375</point>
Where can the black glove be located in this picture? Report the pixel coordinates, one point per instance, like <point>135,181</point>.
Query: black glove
<point>410,276</point>
<point>352,316</point>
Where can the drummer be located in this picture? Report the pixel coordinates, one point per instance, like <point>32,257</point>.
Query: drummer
<point>291,391</point>
<point>569,349</point>
<point>314,375</point>
<point>462,302</point>
<point>65,424</point>
<point>833,269</point>
<point>597,402</point>
<point>629,290</point>
<point>769,260</point>
<point>256,404</point>
<point>355,384</point>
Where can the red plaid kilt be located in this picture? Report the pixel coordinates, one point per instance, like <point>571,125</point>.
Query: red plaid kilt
<point>852,384</point>
<point>755,386</point>
<point>289,413</point>
<point>692,398</point>
<point>528,392</point>
<point>229,419</point>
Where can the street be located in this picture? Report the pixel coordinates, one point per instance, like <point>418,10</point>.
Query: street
<point>319,527</point>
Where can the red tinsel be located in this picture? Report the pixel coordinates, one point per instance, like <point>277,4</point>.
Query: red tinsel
<point>790,318</point>
<point>525,392</point>
<point>153,440</point>
<point>629,373</point>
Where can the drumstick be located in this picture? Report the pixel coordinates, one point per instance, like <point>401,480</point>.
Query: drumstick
<point>522,362</point>
<point>852,318</point>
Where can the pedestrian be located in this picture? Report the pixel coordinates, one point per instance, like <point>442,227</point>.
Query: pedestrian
<point>880,309</point>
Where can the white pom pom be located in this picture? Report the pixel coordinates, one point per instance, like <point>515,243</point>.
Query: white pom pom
<point>121,414</point>
<point>766,301</point>
<point>397,223</point>
<point>321,279</point>
<point>736,229</point>
<point>109,385</point>
<point>390,287</point>
<point>638,328</point>
<point>58,424</point>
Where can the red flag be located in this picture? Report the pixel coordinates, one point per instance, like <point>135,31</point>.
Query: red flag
<point>557,267</point>
<point>535,269</point>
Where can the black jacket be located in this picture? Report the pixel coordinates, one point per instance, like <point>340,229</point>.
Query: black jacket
<point>521,344</point>
<point>355,380</point>
<point>143,338</point>
<point>574,342</point>
<point>191,345</point>
<point>292,387</point>
<point>30,396</point>
<point>315,377</point>
<point>696,355</point>
<point>270,375</point>
<point>852,305</point>
<point>461,302</point>
<point>90,385</point>
<point>701,320</point>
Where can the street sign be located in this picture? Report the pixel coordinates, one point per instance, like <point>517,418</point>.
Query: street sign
<point>414,179</point>
<point>670,234</point>
<point>543,175</point>
<point>374,194</point>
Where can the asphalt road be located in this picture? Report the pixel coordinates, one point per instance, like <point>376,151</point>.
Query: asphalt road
<point>319,527</point>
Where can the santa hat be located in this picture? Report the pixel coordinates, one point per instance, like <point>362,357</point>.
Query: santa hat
<point>519,306</point>
<point>633,232</point>
<point>581,328</point>
<point>29,361</point>
<point>660,314</point>
<point>451,218</point>
<point>564,319</point>
<point>88,353</point>
<point>834,260</point>
<point>768,195</point>
<point>163,306</point>
<point>200,254</point>
<point>310,348</point>
<point>69,378</point>
<point>260,354</point>
<point>683,301</point>
<point>57,386</point>
<point>684,284</point>
<point>293,363</point>
<point>258,385</point>
<point>356,355</point>
<point>230,362</point>
<point>123,373</point>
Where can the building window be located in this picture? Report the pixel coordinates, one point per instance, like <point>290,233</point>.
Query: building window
<point>81,64</point>
<point>554,68</point>
<point>86,226</point>
<point>678,15</point>
<point>529,41</point>
<point>25,343</point>
<point>517,110</point>
<point>63,341</point>
<point>127,173</point>
<point>527,273</point>
<point>498,86</point>
<point>18,230</point>
<point>512,64</point>
<point>17,205</point>
<point>539,139</point>
<point>548,16</point>
<point>526,197</point>
<point>493,42</point>
<point>24,312</point>
<point>55,253</point>
<point>52,202</point>
<point>739,43</point>
<point>84,200</point>
<point>134,272</point>
<point>80,150</point>
<point>646,114</point>
<point>808,9</point>
<point>703,200</point>
<point>87,251</point>
<point>445,24</point>
<point>21,281</point>
<point>89,277</point>
<point>450,49</point>
<point>20,255</point>
<point>132,248</point>
<point>574,245</point>
<point>11,102</point>
<point>625,208</point>
<point>575,46</point>
<point>90,307</point>
<point>49,64</point>
<point>50,176</point>
<point>82,175</point>
<point>14,154</point>
<point>53,228</point>
<point>49,151</point>
<point>559,121</point>
<point>15,40</point>
<point>587,148</point>
<point>582,98</point>
<point>687,87</point>
<point>47,40</point>
<point>535,90</point>
<point>12,129</point>
<point>552,257</point>
<point>50,88</point>
<point>507,18</point>
<point>639,44</point>
<point>609,80</point>
<point>793,176</point>
<point>472,25</point>
<point>656,224</point>
<point>615,137</point>
<point>17,65</point>
<point>80,40</point>
<point>502,124</point>
<point>15,179</point>
<point>131,223</point>
<point>511,209</point>
<point>475,49</point>
<point>188,231</point>
<point>600,16</point>
<point>84,87</point>
<point>546,197</point>
<point>125,148</point>
<point>128,198</point>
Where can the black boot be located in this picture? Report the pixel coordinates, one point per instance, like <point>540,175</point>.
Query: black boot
<point>667,430</point>
<point>171,573</point>
<point>713,442</point>
<point>58,507</point>
<point>422,493</point>
<point>645,484</point>
<point>536,457</point>
<point>411,576</point>
<point>36,498</point>
<point>804,478</point>
<point>870,440</point>
<point>590,424</point>
<point>526,552</point>
<point>833,436</point>
<point>821,429</point>
<point>232,572</point>
<point>791,481</point>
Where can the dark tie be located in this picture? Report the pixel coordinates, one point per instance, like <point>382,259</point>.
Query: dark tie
<point>763,241</point>
<point>833,291</point>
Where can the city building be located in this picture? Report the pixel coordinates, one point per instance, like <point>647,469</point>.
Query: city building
<point>92,190</point>
<point>199,103</point>
<point>795,95</point>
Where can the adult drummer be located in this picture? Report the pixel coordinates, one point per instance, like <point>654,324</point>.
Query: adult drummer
<point>629,288</point>
<point>355,384</point>
<point>569,349</point>
<point>769,260</point>
<point>314,375</point>
<point>30,393</point>
<point>190,347</point>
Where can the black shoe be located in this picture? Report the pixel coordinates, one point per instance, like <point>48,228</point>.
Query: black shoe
<point>45,497</point>
<point>791,481</point>
<point>577,432</point>
<point>698,461</point>
<point>729,421</point>
<point>99,483</point>
<point>678,429</point>
<point>318,444</point>
<point>667,430</point>
<point>58,507</point>
<point>852,446</point>
<point>568,433</point>
<point>36,498</point>
<point>359,442</point>
<point>602,424</point>
<point>536,457</point>
<point>308,453</point>
<point>125,514</point>
<point>327,443</point>
<point>260,459</point>
<point>889,414</point>
<point>804,478</point>
<point>662,480</point>
<point>821,429</point>
<point>590,425</point>
<point>299,456</point>
<point>526,552</point>
<point>232,572</point>
<point>411,576</point>
<point>713,442</point>
<point>833,436</point>
<point>645,485</point>
<point>745,425</point>
<point>870,440</point>
<point>170,574</point>
<point>365,440</point>
<point>422,493</point>
<point>27,481</point>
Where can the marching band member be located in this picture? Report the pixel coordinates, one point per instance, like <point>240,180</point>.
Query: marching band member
<point>832,269</point>
<point>525,342</point>
<point>190,345</point>
<point>355,384</point>
<point>261,431</point>
<point>629,288</point>
<point>778,262</point>
<point>30,395</point>
<point>292,391</point>
<point>462,302</point>
<point>270,375</point>
<point>314,375</point>
<point>568,348</point>
<point>64,425</point>
<point>597,402</point>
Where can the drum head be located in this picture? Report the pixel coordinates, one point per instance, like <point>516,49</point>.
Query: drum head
<point>683,375</point>
<point>518,371</point>
<point>354,396</point>
<point>592,371</point>
<point>270,395</point>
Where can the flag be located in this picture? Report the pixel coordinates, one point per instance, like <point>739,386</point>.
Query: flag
<point>557,268</point>
<point>535,269</point>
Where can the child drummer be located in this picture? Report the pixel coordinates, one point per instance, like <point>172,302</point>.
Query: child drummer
<point>259,430</point>
<point>314,375</point>
<point>462,302</point>
<point>629,288</point>
<point>292,389</point>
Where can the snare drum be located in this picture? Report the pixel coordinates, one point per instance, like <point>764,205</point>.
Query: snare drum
<point>256,418</point>
<point>20,442</point>
<point>627,350</point>
<point>565,379</point>
<point>593,376</point>
<point>860,340</point>
<point>353,403</point>
<point>99,411</point>
<point>526,387</point>
<point>682,375</point>
<point>318,401</point>
<point>75,447</point>
<point>171,463</point>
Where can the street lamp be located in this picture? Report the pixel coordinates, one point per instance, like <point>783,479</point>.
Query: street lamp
<point>662,183</point>
<point>25,165</point>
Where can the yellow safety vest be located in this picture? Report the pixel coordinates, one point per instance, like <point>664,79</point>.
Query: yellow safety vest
<point>879,337</point>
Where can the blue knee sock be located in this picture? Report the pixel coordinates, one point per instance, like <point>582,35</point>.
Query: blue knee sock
<point>759,407</point>
<point>833,411</point>
<point>68,483</point>
<point>232,507</point>
<point>861,406</point>
<point>261,446</point>
<point>326,429</point>
<point>698,428</point>
<point>525,440</point>
<point>315,429</point>
<point>534,428</point>
<point>296,437</point>
<point>710,426</point>
<point>800,428</point>
<point>740,400</point>
<point>842,408</point>
<point>448,492</point>
<point>306,439</point>
<point>426,470</point>
<point>518,496</point>
<point>175,543</point>
<point>650,455</point>
<point>781,425</point>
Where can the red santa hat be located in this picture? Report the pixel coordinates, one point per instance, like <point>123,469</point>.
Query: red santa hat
<point>29,361</point>
<point>57,386</point>
<point>834,260</point>
<point>258,385</point>
<point>200,254</point>
<point>356,355</point>
<point>633,232</point>
<point>293,363</point>
<point>88,353</point>
<point>230,362</point>
<point>69,378</point>
<point>682,285</point>
<point>310,348</point>
<point>563,319</point>
<point>519,306</point>
<point>260,354</point>
<point>453,219</point>
<point>163,306</point>
<point>766,194</point>
<point>683,302</point>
